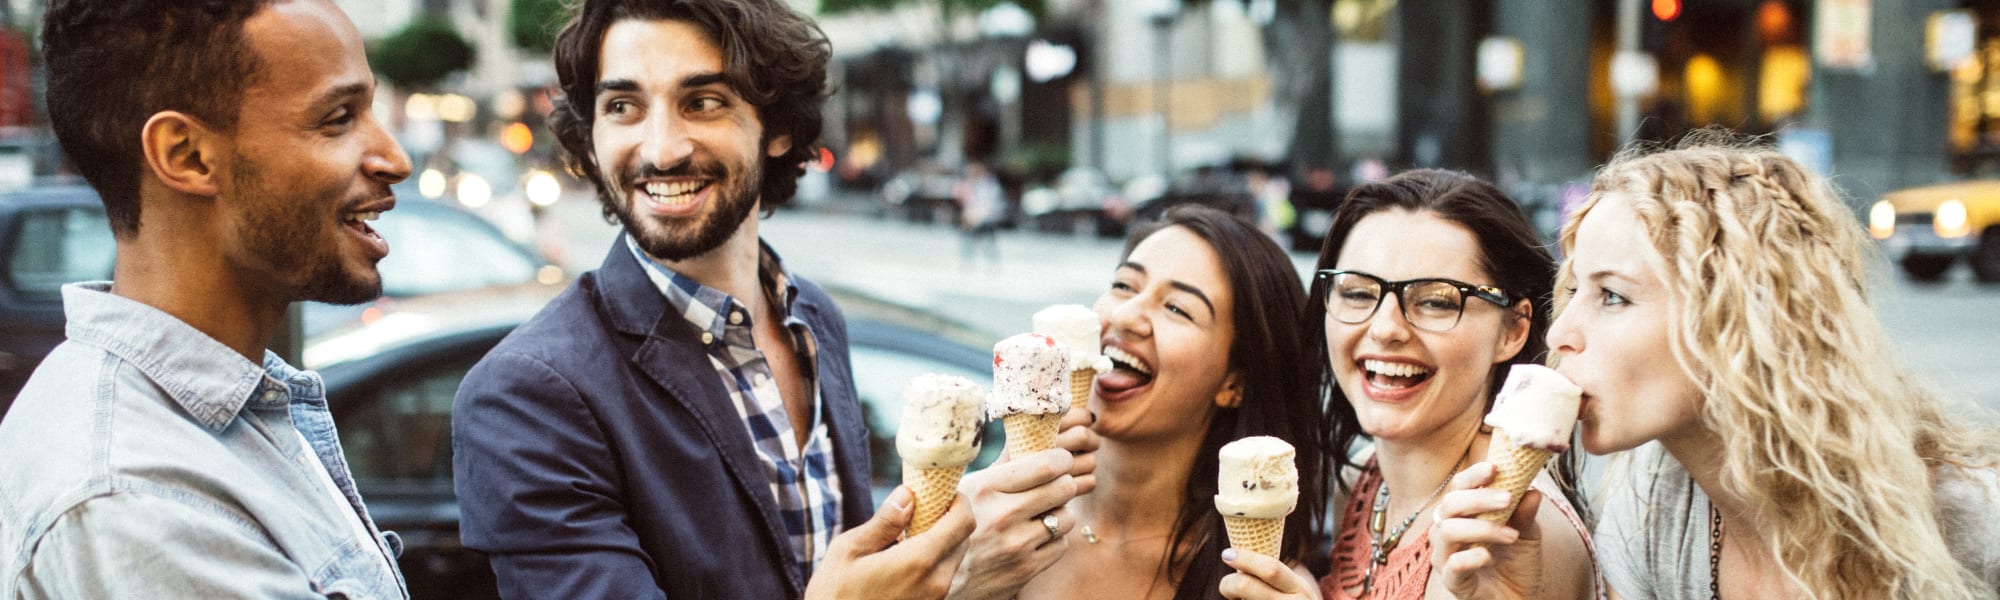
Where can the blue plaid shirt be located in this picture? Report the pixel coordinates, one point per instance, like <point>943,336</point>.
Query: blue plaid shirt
<point>802,478</point>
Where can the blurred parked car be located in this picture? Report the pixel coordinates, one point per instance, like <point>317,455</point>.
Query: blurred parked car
<point>393,410</point>
<point>460,265</point>
<point>436,249</point>
<point>1926,229</point>
<point>922,194</point>
<point>1222,188</point>
<point>50,236</point>
<point>1082,201</point>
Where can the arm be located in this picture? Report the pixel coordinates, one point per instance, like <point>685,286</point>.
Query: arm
<point>1481,559</point>
<point>1259,577</point>
<point>535,483</point>
<point>135,545</point>
<point>867,561</point>
<point>1009,544</point>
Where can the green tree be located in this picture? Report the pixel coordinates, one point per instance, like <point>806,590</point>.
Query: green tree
<point>421,54</point>
<point>533,23</point>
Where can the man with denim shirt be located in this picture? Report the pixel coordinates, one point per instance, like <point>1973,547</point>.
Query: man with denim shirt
<point>161,449</point>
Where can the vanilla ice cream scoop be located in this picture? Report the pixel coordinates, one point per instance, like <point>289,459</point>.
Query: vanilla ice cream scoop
<point>1076,327</point>
<point>943,419</point>
<point>1030,377</point>
<point>1257,479</point>
<point>1537,407</point>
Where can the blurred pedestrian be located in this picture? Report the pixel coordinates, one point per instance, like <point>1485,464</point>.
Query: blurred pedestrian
<point>982,205</point>
<point>1271,194</point>
<point>161,450</point>
<point>1772,445</point>
<point>682,422</point>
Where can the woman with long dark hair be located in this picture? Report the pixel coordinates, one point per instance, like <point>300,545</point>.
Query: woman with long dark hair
<point>1201,325</point>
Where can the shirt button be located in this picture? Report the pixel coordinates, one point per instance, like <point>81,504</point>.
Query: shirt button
<point>735,318</point>
<point>273,395</point>
<point>707,338</point>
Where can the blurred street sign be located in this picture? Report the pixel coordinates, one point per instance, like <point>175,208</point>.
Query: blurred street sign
<point>1634,74</point>
<point>1500,63</point>
<point>1840,34</point>
<point>1949,38</point>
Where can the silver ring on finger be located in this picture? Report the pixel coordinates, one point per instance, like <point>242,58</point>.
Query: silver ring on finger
<point>1051,522</point>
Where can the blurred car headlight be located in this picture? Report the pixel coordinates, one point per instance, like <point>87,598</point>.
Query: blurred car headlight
<point>473,191</point>
<point>1950,221</point>
<point>1882,220</point>
<point>543,189</point>
<point>432,183</point>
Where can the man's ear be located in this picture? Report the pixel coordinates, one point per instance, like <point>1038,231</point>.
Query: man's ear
<point>1231,394</point>
<point>182,152</point>
<point>778,146</point>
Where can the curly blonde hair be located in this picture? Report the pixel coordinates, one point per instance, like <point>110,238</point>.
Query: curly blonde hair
<point>1768,270</point>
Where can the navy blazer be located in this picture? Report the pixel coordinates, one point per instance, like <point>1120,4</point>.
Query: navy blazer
<point>598,455</point>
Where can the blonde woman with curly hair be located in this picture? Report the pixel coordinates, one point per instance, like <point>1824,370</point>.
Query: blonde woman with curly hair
<point>1714,309</point>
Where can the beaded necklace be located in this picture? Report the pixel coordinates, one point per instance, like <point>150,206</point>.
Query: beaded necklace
<point>1714,553</point>
<point>1379,517</point>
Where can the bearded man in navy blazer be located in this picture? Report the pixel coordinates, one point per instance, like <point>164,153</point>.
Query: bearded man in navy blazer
<point>682,422</point>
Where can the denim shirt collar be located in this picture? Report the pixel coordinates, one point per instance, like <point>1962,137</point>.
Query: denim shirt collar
<point>208,379</point>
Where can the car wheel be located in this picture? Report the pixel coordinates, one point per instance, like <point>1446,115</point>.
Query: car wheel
<point>1926,267</point>
<point>1986,258</point>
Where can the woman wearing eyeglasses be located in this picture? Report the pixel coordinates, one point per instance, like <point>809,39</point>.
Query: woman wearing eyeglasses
<point>1716,315</point>
<point>1431,284</point>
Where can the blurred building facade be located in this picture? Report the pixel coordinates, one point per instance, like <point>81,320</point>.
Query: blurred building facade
<point>1523,91</point>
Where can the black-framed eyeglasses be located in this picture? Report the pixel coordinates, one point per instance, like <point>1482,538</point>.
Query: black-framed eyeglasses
<point>1430,304</point>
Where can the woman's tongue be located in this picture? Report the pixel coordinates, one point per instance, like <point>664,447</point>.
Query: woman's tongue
<point>1123,378</point>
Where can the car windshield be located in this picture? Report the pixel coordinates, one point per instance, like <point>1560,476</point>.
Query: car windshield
<point>435,250</point>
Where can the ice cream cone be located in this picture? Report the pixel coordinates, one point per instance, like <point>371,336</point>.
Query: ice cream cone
<point>1515,467</point>
<point>1028,433</point>
<point>1263,536</point>
<point>934,489</point>
<point>1080,384</point>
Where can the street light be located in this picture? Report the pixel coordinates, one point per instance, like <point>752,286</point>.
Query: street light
<point>1162,14</point>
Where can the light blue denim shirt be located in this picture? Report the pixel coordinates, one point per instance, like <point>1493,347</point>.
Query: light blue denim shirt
<point>147,459</point>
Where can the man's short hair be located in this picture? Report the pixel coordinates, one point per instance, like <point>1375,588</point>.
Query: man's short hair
<point>774,58</point>
<point>113,64</point>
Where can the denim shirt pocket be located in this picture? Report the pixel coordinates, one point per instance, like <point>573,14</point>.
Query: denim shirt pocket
<point>353,574</point>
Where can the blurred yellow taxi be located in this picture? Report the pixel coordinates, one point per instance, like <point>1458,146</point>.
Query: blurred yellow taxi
<point>1926,229</point>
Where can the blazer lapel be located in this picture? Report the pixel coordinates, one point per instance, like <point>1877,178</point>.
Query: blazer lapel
<point>671,358</point>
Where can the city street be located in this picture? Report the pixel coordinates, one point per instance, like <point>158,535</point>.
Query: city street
<point>1949,332</point>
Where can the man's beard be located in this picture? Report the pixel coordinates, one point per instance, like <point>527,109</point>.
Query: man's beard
<point>735,200</point>
<point>291,241</point>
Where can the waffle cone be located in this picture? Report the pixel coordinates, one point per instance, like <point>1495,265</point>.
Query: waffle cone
<point>1030,433</point>
<point>1080,383</point>
<point>1263,536</point>
<point>1514,468</point>
<point>935,489</point>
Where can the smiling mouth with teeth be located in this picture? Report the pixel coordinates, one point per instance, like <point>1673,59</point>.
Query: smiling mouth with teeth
<point>1124,362</point>
<point>1393,375</point>
<point>674,193</point>
<point>359,220</point>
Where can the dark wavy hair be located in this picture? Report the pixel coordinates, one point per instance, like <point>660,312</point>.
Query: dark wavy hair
<point>1279,399</point>
<point>1509,252</point>
<point>776,59</point>
<point>113,64</point>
